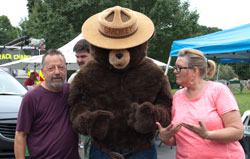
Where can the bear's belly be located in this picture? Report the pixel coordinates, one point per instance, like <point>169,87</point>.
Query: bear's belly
<point>117,98</point>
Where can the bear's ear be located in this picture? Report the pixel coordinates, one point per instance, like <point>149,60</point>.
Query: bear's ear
<point>99,54</point>
<point>138,53</point>
<point>92,50</point>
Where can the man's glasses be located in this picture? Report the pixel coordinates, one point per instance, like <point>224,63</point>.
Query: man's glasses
<point>178,69</point>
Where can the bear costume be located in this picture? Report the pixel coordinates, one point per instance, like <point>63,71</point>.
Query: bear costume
<point>117,97</point>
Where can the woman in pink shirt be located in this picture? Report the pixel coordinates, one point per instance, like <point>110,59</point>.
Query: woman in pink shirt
<point>206,122</point>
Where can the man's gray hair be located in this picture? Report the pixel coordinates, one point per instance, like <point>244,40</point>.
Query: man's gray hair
<point>52,52</point>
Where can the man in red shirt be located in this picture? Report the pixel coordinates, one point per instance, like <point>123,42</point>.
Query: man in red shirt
<point>31,80</point>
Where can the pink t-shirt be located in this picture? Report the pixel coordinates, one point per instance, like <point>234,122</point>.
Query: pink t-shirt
<point>215,100</point>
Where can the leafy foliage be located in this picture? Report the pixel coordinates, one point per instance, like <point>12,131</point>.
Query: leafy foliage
<point>226,72</point>
<point>47,20</point>
<point>172,21</point>
<point>242,69</point>
<point>60,21</point>
<point>7,31</point>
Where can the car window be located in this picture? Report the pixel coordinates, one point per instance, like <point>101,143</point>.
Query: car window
<point>9,85</point>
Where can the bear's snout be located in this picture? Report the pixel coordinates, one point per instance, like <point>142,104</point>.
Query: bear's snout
<point>119,55</point>
<point>119,59</point>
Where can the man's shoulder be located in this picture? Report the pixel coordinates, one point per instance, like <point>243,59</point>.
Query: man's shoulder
<point>36,89</point>
<point>33,93</point>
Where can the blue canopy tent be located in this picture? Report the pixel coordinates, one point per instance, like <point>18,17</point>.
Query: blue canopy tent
<point>233,60</point>
<point>230,61</point>
<point>227,44</point>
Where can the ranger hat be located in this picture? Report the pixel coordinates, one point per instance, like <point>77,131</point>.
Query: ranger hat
<point>117,28</point>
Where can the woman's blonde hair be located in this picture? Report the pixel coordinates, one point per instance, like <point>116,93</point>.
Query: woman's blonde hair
<point>196,58</point>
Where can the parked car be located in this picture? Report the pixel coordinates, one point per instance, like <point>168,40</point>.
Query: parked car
<point>11,93</point>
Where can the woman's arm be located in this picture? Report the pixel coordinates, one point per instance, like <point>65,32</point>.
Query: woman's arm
<point>233,128</point>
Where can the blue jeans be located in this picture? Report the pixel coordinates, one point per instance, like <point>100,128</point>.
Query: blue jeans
<point>150,153</point>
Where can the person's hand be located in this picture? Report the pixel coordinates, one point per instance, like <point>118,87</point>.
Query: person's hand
<point>200,129</point>
<point>168,132</point>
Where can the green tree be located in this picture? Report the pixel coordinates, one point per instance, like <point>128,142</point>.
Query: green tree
<point>60,21</point>
<point>7,31</point>
<point>47,21</point>
<point>226,72</point>
<point>203,30</point>
<point>242,69</point>
<point>172,21</point>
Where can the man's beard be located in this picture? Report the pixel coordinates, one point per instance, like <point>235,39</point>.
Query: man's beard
<point>57,84</point>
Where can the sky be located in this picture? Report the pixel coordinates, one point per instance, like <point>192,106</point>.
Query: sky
<point>14,10</point>
<point>224,14</point>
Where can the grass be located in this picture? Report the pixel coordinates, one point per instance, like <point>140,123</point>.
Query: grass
<point>243,99</point>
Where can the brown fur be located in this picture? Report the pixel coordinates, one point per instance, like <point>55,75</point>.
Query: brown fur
<point>119,108</point>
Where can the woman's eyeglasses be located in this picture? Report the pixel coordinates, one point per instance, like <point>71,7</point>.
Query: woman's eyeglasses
<point>178,69</point>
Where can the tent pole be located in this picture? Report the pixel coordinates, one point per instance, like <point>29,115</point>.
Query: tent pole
<point>168,64</point>
<point>218,71</point>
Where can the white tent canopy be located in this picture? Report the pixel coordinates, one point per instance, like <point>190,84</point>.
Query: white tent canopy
<point>25,64</point>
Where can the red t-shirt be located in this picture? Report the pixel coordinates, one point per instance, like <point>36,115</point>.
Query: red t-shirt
<point>28,82</point>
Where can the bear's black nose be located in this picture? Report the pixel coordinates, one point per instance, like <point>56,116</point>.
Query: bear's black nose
<point>119,56</point>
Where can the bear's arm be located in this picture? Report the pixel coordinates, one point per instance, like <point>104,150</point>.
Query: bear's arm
<point>85,117</point>
<point>163,103</point>
<point>77,104</point>
<point>144,116</point>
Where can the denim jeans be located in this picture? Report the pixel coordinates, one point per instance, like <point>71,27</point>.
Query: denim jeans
<point>150,153</point>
